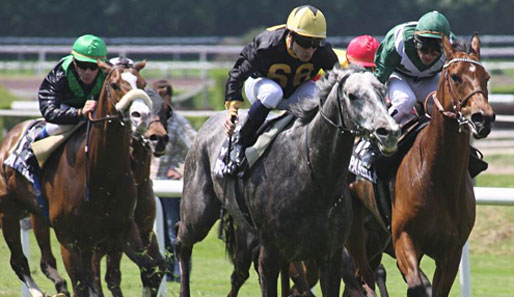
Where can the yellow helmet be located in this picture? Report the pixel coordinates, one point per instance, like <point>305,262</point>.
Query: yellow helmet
<point>308,21</point>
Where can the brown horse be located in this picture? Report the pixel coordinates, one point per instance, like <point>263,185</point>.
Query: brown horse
<point>154,140</point>
<point>91,198</point>
<point>433,208</point>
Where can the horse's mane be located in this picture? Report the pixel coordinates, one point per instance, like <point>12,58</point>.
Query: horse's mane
<point>306,109</point>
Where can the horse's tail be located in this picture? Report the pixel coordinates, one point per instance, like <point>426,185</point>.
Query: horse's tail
<point>228,230</point>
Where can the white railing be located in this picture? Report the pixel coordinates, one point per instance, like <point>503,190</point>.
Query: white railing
<point>173,189</point>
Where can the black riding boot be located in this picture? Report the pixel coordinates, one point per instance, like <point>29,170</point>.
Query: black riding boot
<point>245,137</point>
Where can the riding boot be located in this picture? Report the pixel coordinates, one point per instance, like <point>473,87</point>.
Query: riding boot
<point>245,137</point>
<point>476,163</point>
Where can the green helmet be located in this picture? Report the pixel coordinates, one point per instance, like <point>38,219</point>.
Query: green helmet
<point>89,48</point>
<point>432,25</point>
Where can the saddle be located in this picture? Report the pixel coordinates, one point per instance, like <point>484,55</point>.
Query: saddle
<point>233,189</point>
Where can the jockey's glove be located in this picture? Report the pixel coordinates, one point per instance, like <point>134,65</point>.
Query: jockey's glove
<point>232,107</point>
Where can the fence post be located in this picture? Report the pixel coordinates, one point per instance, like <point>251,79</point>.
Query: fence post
<point>159,232</point>
<point>464,271</point>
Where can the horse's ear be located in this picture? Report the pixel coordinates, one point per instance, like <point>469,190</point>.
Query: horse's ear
<point>448,47</point>
<point>140,65</point>
<point>105,66</point>
<point>475,44</point>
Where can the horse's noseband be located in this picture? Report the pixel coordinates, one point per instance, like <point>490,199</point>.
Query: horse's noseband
<point>341,126</point>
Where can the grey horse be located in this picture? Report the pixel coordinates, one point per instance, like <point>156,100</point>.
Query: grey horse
<point>299,206</point>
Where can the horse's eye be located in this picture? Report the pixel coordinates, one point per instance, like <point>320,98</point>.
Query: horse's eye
<point>115,86</point>
<point>456,79</point>
<point>352,97</point>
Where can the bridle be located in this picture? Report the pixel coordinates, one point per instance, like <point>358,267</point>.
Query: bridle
<point>457,104</point>
<point>342,127</point>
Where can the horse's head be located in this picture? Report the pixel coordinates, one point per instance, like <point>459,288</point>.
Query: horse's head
<point>157,131</point>
<point>464,92</point>
<point>124,90</point>
<point>364,111</point>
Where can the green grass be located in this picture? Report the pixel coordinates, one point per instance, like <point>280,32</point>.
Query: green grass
<point>492,275</point>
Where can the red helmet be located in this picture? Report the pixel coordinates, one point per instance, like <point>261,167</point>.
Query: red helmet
<point>361,50</point>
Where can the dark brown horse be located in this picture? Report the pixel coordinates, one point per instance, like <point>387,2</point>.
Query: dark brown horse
<point>433,208</point>
<point>154,141</point>
<point>91,199</point>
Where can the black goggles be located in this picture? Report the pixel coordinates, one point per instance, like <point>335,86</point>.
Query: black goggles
<point>86,65</point>
<point>308,42</point>
<point>428,46</point>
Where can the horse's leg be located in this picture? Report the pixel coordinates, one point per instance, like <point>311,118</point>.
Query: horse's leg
<point>352,287</point>
<point>380,277</point>
<point>9,219</point>
<point>330,273</point>
<point>73,263</point>
<point>445,273</point>
<point>97,272</point>
<point>269,267</point>
<point>300,272</point>
<point>242,262</point>
<point>113,273</point>
<point>152,270</point>
<point>407,257</point>
<point>356,245</point>
<point>48,263</point>
<point>199,210</point>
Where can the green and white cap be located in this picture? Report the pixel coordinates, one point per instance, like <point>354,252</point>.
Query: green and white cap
<point>433,25</point>
<point>89,48</point>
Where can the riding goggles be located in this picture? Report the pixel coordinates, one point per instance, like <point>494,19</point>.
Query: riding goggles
<point>428,45</point>
<point>308,42</point>
<point>86,65</point>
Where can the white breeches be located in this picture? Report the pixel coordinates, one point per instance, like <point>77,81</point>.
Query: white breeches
<point>271,95</point>
<point>403,92</point>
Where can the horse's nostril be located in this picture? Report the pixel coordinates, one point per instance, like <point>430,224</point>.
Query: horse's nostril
<point>153,137</point>
<point>135,114</point>
<point>477,117</point>
<point>382,131</point>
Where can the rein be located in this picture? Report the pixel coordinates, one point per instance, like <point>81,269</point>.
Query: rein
<point>457,104</point>
<point>342,126</point>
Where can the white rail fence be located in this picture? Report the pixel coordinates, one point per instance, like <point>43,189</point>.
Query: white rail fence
<point>173,189</point>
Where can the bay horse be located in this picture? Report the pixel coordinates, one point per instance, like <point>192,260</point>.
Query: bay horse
<point>91,198</point>
<point>153,142</point>
<point>298,177</point>
<point>433,203</point>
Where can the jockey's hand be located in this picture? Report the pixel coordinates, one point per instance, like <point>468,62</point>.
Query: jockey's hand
<point>89,106</point>
<point>230,125</point>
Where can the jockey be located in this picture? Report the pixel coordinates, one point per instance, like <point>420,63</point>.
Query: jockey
<point>276,69</point>
<point>410,60</point>
<point>68,92</point>
<point>360,51</point>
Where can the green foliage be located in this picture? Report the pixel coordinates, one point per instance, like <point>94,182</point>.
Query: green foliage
<point>234,18</point>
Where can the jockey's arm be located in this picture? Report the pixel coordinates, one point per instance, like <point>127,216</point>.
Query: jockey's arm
<point>49,98</point>
<point>386,58</point>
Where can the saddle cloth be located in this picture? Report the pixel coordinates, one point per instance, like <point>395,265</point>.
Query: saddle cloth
<point>21,156</point>
<point>21,153</point>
